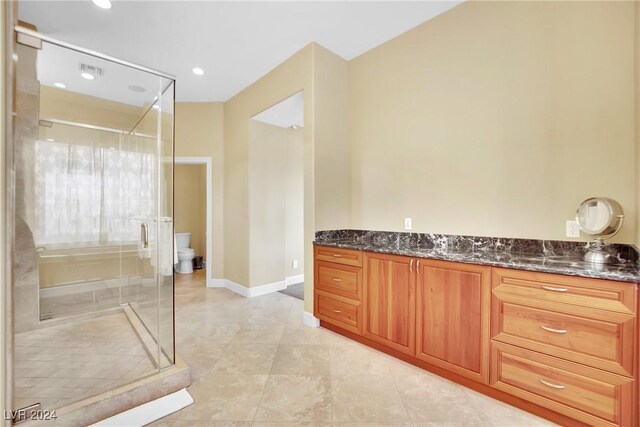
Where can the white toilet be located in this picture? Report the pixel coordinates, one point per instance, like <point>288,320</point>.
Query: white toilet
<point>185,253</point>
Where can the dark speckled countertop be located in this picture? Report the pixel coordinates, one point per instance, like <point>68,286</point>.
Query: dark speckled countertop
<point>546,256</point>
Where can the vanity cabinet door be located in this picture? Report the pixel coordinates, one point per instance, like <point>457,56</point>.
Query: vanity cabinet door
<point>389,300</point>
<point>453,313</point>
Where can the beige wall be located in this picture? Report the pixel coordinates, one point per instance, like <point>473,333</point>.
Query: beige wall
<point>276,204</point>
<point>190,204</point>
<point>323,78</point>
<point>496,119</point>
<point>267,199</point>
<point>290,77</point>
<point>294,203</point>
<point>329,194</point>
<point>331,148</point>
<point>199,133</point>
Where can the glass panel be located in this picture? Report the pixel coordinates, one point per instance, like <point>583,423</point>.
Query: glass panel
<point>166,278</point>
<point>93,252</point>
<point>143,300</point>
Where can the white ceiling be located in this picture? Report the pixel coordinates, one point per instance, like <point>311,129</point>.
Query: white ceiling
<point>286,113</point>
<point>60,65</point>
<point>235,42</point>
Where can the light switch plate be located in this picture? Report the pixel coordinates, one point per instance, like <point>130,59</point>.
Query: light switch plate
<point>573,230</point>
<point>407,223</point>
<point>294,264</point>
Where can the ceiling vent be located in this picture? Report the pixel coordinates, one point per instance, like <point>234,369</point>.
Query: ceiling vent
<point>91,69</point>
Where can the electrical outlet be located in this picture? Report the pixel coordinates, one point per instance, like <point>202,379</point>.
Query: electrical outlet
<point>407,223</point>
<point>294,264</point>
<point>573,230</point>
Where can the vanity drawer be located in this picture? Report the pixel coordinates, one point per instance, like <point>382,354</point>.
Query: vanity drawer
<point>589,395</point>
<point>339,311</point>
<point>339,279</point>
<point>339,255</point>
<point>605,342</point>
<point>556,288</point>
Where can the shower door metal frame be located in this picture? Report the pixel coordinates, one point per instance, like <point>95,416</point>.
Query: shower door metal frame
<point>6,335</point>
<point>19,29</point>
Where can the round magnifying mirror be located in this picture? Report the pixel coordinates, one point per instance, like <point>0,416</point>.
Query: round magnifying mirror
<point>600,217</point>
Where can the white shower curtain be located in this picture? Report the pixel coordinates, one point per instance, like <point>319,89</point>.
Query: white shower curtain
<point>92,193</point>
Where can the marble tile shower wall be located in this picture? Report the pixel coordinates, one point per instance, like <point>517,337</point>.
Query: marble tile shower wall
<point>626,254</point>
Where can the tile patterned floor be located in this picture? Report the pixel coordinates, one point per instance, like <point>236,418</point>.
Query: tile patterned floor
<point>62,364</point>
<point>253,363</point>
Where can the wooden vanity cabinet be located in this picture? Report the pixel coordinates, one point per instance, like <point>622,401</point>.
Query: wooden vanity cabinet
<point>566,343</point>
<point>437,311</point>
<point>337,298</point>
<point>588,321</point>
<point>592,396</point>
<point>389,301</point>
<point>453,312</point>
<point>562,347</point>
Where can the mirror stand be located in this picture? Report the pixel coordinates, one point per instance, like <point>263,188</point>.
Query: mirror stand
<point>600,218</point>
<point>597,253</point>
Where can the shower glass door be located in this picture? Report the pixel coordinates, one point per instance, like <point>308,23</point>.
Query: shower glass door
<point>92,227</point>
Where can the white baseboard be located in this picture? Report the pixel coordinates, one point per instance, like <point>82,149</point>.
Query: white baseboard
<point>255,291</point>
<point>310,320</point>
<point>243,290</point>
<point>237,288</point>
<point>294,280</point>
<point>150,411</point>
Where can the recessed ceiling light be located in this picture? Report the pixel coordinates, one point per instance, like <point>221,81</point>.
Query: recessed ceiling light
<point>112,148</point>
<point>156,107</point>
<point>136,88</point>
<point>51,140</point>
<point>294,127</point>
<point>88,76</point>
<point>60,85</point>
<point>104,4</point>
<point>198,71</point>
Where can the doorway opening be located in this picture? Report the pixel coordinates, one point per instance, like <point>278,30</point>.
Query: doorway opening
<point>193,218</point>
<point>276,183</point>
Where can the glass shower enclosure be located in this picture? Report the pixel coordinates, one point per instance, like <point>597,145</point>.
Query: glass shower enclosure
<point>92,224</point>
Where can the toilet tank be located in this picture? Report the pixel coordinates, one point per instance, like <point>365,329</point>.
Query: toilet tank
<point>183,240</point>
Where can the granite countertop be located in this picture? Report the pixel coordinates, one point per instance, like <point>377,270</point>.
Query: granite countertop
<point>552,257</point>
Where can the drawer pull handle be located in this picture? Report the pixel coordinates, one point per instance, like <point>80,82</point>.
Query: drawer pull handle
<point>337,280</point>
<point>550,384</point>
<point>337,311</point>
<point>555,331</point>
<point>337,255</point>
<point>554,289</point>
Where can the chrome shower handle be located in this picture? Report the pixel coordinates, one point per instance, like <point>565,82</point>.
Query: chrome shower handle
<point>144,235</point>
